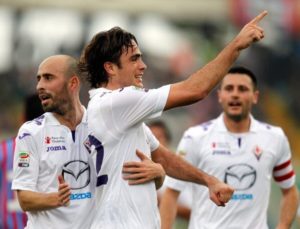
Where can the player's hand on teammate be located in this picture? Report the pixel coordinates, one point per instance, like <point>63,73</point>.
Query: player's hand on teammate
<point>64,192</point>
<point>144,171</point>
<point>219,192</point>
<point>251,32</point>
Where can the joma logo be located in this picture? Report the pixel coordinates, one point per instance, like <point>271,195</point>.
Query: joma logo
<point>55,148</point>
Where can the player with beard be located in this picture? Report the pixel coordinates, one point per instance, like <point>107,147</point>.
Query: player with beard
<point>243,152</point>
<point>53,173</point>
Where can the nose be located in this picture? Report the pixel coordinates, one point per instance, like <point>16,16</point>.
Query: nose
<point>235,92</point>
<point>39,85</point>
<point>143,65</point>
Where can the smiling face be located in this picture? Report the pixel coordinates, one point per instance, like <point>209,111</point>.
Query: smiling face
<point>237,95</point>
<point>131,69</point>
<point>52,86</point>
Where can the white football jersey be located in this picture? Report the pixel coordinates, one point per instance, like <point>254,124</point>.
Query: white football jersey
<point>116,129</point>
<point>245,161</point>
<point>44,150</point>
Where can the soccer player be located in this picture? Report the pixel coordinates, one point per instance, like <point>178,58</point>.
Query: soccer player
<point>117,109</point>
<point>11,215</point>
<point>243,152</point>
<point>53,173</point>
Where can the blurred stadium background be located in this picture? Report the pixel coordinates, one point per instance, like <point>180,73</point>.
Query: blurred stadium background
<point>176,37</point>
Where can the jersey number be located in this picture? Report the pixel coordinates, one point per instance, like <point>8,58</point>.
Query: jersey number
<point>102,179</point>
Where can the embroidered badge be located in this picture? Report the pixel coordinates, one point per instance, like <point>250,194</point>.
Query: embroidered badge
<point>257,152</point>
<point>24,159</point>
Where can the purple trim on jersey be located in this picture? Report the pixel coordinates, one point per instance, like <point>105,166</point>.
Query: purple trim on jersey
<point>205,125</point>
<point>103,179</point>
<point>73,135</point>
<point>38,121</point>
<point>239,142</point>
<point>11,220</point>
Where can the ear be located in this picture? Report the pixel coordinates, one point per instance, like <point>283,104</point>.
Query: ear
<point>255,97</point>
<point>74,82</point>
<point>109,68</point>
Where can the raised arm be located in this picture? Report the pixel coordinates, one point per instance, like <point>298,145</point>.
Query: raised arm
<point>37,201</point>
<point>199,84</point>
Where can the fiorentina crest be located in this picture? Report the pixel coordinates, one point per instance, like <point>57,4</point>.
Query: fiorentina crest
<point>257,152</point>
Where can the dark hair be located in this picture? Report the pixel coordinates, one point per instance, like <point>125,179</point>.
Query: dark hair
<point>246,71</point>
<point>32,107</point>
<point>104,46</point>
<point>161,124</point>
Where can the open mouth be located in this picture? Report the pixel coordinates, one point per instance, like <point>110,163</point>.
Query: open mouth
<point>235,104</point>
<point>139,78</point>
<point>44,98</point>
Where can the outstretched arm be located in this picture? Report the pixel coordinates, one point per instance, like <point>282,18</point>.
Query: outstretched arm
<point>144,171</point>
<point>37,201</point>
<point>288,208</point>
<point>220,193</point>
<point>199,84</point>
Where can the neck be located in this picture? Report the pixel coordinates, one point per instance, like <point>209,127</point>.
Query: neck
<point>112,84</point>
<point>234,126</point>
<point>72,117</point>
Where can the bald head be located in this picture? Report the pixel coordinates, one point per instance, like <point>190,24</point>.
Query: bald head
<point>58,84</point>
<point>63,64</point>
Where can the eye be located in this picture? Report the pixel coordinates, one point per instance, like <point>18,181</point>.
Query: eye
<point>243,88</point>
<point>228,88</point>
<point>48,77</point>
<point>136,57</point>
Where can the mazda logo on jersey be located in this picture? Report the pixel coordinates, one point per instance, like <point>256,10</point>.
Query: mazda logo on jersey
<point>77,174</point>
<point>240,176</point>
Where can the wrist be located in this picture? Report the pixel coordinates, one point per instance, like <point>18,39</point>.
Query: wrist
<point>209,180</point>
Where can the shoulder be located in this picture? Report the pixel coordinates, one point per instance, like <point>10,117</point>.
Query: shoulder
<point>199,131</point>
<point>32,127</point>
<point>269,129</point>
<point>271,132</point>
<point>139,91</point>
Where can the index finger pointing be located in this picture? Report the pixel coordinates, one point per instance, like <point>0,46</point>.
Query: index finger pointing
<point>259,17</point>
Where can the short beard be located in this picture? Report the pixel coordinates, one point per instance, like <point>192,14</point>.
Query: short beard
<point>238,117</point>
<point>60,106</point>
<point>54,109</point>
<point>235,118</point>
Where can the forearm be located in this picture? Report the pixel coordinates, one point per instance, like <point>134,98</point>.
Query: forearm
<point>288,208</point>
<point>205,79</point>
<point>199,84</point>
<point>178,168</point>
<point>35,201</point>
<point>168,208</point>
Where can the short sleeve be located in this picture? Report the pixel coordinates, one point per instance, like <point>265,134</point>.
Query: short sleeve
<point>283,171</point>
<point>26,162</point>
<point>132,105</point>
<point>152,140</point>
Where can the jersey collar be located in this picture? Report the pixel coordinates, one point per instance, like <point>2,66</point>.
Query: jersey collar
<point>221,125</point>
<point>51,120</point>
<point>96,91</point>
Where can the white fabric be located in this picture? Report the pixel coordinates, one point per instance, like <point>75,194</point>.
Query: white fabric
<point>44,150</point>
<point>116,119</point>
<point>244,161</point>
